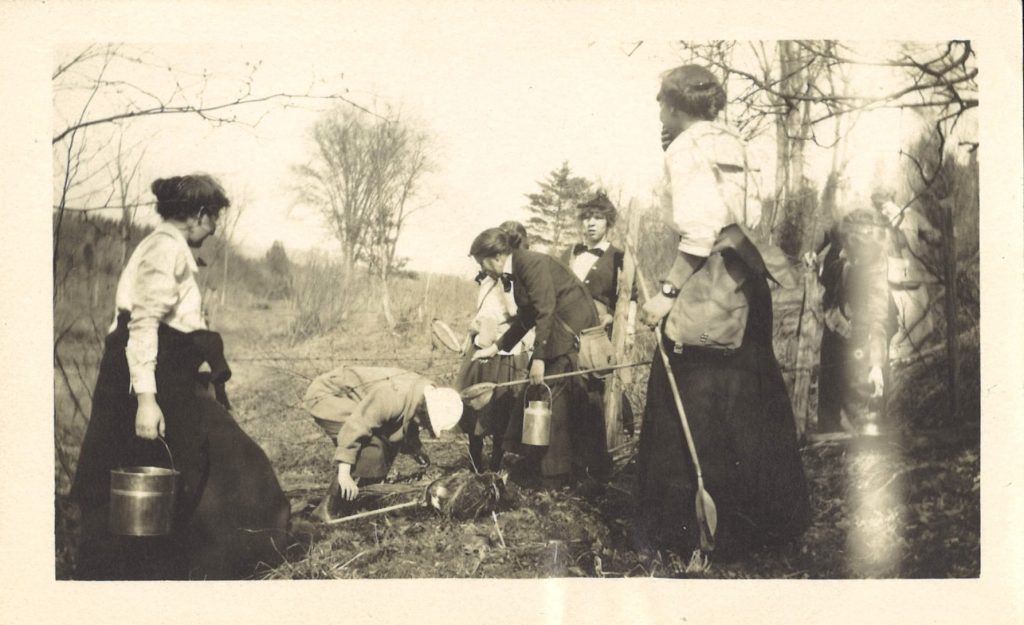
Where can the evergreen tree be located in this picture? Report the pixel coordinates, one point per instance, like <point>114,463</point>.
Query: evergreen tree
<point>280,271</point>
<point>552,223</point>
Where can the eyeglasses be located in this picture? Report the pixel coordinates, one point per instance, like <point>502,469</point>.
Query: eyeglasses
<point>214,216</point>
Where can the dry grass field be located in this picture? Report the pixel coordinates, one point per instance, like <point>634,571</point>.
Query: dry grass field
<point>901,507</point>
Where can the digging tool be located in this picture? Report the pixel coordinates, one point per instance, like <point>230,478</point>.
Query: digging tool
<point>707,514</point>
<point>379,511</point>
<point>460,495</point>
<point>480,394</point>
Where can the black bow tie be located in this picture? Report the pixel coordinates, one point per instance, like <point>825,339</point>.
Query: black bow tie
<point>580,248</point>
<point>506,280</point>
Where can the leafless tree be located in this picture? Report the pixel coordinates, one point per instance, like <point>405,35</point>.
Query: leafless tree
<point>100,92</point>
<point>110,86</point>
<point>789,86</point>
<point>363,178</point>
<point>792,86</point>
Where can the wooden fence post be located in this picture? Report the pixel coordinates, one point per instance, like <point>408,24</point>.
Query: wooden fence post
<point>807,352</point>
<point>615,383</point>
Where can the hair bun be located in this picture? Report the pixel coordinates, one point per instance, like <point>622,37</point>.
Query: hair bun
<point>515,240</point>
<point>162,188</point>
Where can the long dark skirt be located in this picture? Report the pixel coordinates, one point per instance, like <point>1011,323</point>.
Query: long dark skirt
<point>739,414</point>
<point>110,442</point>
<point>577,432</point>
<point>494,418</point>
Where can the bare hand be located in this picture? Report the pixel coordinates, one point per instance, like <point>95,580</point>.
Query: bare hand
<point>537,372</point>
<point>149,419</point>
<point>607,320</point>
<point>656,309</point>
<point>877,381</point>
<point>349,489</point>
<point>486,352</point>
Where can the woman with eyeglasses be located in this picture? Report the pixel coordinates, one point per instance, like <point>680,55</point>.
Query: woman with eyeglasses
<point>146,388</point>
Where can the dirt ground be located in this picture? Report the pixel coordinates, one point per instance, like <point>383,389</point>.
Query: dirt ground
<point>903,506</point>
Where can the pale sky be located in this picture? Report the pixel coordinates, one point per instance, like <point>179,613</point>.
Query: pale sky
<point>504,111</point>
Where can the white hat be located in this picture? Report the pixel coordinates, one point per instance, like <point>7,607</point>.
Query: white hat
<point>444,407</point>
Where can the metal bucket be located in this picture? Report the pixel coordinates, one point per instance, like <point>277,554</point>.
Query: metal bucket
<point>142,499</point>
<point>537,420</point>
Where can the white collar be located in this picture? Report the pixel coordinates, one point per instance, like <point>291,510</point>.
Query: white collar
<point>175,233</point>
<point>687,136</point>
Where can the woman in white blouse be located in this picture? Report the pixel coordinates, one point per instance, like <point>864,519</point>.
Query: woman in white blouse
<point>735,400</point>
<point>495,310</point>
<point>147,383</point>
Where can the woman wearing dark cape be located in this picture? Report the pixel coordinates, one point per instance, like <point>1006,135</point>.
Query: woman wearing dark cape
<point>146,388</point>
<point>735,400</point>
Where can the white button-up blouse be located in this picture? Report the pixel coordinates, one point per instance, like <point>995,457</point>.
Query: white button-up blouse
<point>709,186</point>
<point>158,285</point>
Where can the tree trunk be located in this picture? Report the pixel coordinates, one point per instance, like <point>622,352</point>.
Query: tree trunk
<point>782,143</point>
<point>385,302</point>
<point>126,233</point>
<point>224,282</point>
<point>952,330</point>
<point>791,127</point>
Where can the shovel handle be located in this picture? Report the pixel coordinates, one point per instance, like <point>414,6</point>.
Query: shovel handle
<point>675,392</point>
<point>570,374</point>
<point>363,515</point>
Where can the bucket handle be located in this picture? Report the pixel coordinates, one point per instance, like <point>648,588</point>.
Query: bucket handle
<point>169,454</point>
<point>551,397</point>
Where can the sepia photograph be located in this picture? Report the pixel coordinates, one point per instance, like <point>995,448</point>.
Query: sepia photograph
<point>342,349</point>
<point>448,302</point>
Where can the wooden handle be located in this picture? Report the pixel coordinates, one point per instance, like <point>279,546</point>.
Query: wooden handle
<point>363,515</point>
<point>570,374</point>
<point>675,390</point>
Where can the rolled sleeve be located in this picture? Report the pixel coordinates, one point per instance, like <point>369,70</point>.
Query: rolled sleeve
<point>155,293</point>
<point>697,209</point>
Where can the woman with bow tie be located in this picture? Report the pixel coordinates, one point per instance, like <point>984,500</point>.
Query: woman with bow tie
<point>557,306</point>
<point>495,311</point>
<point>596,262</point>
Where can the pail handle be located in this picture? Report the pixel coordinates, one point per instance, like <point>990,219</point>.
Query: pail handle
<point>551,397</point>
<point>168,448</point>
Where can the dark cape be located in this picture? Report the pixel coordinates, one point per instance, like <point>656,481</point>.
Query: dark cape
<point>741,419</point>
<point>227,486</point>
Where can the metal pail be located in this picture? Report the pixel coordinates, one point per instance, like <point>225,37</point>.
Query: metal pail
<point>142,499</point>
<point>537,420</point>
